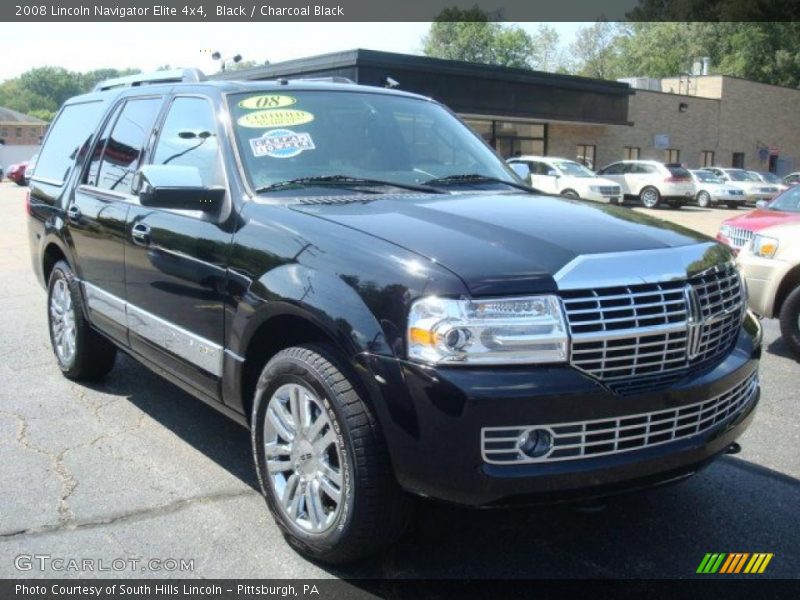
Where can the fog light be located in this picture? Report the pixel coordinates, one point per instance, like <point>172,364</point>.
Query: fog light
<point>535,442</point>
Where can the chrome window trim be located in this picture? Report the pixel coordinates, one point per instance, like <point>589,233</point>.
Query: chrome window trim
<point>191,347</point>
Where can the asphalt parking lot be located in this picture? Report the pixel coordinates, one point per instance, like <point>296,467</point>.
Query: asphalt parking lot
<point>134,467</point>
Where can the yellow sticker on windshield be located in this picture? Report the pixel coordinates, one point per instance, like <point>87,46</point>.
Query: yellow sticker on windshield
<point>275,117</point>
<point>267,101</point>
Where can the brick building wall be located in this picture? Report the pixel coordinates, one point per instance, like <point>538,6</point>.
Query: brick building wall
<point>727,116</point>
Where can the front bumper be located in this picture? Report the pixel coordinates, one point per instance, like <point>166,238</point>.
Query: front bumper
<point>764,277</point>
<point>433,418</point>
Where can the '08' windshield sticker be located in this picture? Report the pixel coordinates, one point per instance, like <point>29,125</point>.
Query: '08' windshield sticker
<point>275,117</point>
<point>281,143</point>
<point>267,101</point>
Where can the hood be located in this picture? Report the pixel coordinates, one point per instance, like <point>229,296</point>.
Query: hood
<point>761,219</point>
<point>502,243</point>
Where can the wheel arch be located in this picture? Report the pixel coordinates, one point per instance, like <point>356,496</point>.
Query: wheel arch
<point>789,282</point>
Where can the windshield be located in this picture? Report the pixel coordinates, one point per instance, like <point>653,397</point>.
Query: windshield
<point>770,178</point>
<point>568,167</point>
<point>788,201</point>
<point>707,177</point>
<point>296,135</point>
<point>738,175</point>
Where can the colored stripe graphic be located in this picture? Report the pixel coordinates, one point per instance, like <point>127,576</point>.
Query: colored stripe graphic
<point>711,562</point>
<point>733,563</point>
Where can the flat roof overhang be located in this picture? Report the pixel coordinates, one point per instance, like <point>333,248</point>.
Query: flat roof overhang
<point>468,88</point>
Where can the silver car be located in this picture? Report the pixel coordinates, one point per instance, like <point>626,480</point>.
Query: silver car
<point>753,187</point>
<point>710,190</point>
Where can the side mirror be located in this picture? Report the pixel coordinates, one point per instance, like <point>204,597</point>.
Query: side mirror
<point>762,204</point>
<point>176,187</point>
<point>521,169</point>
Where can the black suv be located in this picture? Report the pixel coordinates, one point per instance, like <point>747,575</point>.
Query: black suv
<point>356,276</point>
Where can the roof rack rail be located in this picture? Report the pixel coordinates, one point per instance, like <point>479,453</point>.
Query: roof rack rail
<point>171,76</point>
<point>336,79</point>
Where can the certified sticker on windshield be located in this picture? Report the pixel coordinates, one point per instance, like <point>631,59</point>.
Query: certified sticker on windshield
<point>275,117</point>
<point>281,143</point>
<point>267,101</point>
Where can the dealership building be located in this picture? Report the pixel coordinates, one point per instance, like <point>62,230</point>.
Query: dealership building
<point>697,120</point>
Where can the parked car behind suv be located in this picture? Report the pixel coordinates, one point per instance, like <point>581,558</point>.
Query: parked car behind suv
<point>738,232</point>
<point>651,182</point>
<point>755,189</point>
<point>769,179</point>
<point>710,190</point>
<point>566,177</point>
<point>770,261</point>
<point>16,173</point>
<point>355,276</point>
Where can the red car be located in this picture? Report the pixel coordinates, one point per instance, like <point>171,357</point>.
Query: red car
<point>737,232</point>
<point>16,173</point>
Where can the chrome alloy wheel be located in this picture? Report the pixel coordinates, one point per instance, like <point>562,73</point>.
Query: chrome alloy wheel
<point>650,198</point>
<point>62,322</point>
<point>304,461</point>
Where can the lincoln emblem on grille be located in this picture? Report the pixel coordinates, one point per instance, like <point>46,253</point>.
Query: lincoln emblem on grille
<point>694,322</point>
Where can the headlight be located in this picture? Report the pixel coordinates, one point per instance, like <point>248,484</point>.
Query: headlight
<point>487,331</point>
<point>725,231</point>
<point>764,246</point>
<point>595,188</point>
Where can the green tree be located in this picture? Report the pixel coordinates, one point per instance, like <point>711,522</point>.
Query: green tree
<point>595,52</point>
<point>546,49</point>
<point>471,35</point>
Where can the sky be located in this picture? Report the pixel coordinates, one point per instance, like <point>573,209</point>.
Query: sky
<point>86,46</point>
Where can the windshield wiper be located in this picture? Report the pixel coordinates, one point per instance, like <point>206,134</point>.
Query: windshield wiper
<point>468,178</point>
<point>345,181</point>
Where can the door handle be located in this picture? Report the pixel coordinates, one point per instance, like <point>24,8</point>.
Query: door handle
<point>74,214</point>
<point>141,234</point>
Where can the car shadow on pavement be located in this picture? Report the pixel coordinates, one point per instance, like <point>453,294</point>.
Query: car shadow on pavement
<point>219,438</point>
<point>731,506</point>
<point>779,348</point>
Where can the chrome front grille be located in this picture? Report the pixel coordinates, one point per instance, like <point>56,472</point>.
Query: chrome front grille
<point>640,337</point>
<point>739,237</point>
<point>610,190</point>
<point>599,437</point>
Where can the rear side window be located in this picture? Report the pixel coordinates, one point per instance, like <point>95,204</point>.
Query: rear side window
<point>676,171</point>
<point>126,144</point>
<point>67,140</point>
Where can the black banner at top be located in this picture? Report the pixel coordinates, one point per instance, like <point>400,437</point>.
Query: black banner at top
<point>394,10</point>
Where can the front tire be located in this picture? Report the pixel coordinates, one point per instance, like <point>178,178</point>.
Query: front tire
<point>650,197</point>
<point>733,205</point>
<point>570,194</point>
<point>81,352</point>
<point>790,321</point>
<point>703,199</point>
<point>322,463</point>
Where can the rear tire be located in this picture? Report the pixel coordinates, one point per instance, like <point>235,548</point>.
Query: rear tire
<point>733,205</point>
<point>703,199</point>
<point>790,321</point>
<point>351,505</point>
<point>650,197</point>
<point>81,352</point>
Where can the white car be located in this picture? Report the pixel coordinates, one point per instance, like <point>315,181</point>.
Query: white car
<point>651,181</point>
<point>755,189</point>
<point>710,190</point>
<point>770,179</point>
<point>566,177</point>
